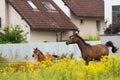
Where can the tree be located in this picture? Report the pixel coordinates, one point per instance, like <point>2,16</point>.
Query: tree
<point>13,34</point>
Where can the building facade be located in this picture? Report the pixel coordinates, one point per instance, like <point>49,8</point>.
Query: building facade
<point>43,20</point>
<point>112,11</point>
<point>88,18</point>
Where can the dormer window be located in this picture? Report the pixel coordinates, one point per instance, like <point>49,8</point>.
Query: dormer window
<point>48,6</point>
<point>32,5</point>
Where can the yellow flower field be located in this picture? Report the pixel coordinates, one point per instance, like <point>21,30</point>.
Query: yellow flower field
<point>66,69</point>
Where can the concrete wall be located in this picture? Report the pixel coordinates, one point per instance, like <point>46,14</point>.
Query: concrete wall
<point>21,51</point>
<point>114,38</point>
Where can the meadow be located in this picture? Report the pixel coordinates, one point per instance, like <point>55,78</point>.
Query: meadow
<point>65,69</point>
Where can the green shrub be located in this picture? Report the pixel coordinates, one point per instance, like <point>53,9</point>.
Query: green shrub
<point>13,34</point>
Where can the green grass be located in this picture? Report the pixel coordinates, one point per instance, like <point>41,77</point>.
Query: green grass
<point>92,37</point>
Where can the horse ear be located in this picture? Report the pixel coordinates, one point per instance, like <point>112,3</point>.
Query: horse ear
<point>35,48</point>
<point>77,32</point>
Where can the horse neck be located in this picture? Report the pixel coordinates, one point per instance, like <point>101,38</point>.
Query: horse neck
<point>82,46</point>
<point>41,56</point>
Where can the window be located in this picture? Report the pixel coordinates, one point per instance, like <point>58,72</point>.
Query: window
<point>49,6</point>
<point>0,22</point>
<point>98,25</point>
<point>81,21</point>
<point>115,13</point>
<point>32,5</point>
<point>59,36</point>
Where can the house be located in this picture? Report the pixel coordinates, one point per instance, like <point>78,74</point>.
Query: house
<point>43,19</point>
<point>112,11</point>
<point>87,15</point>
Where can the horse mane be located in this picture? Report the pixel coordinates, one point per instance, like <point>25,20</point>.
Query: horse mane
<point>40,51</point>
<point>83,41</point>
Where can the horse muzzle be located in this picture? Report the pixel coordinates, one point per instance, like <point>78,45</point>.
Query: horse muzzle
<point>33,55</point>
<point>67,43</point>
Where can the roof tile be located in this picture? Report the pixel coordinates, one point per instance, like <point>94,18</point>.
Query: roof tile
<point>86,8</point>
<point>42,18</point>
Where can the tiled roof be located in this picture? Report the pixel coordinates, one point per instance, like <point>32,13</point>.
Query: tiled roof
<point>42,18</point>
<point>86,8</point>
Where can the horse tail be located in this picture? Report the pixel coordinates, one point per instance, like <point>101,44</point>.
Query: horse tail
<point>110,44</point>
<point>55,56</point>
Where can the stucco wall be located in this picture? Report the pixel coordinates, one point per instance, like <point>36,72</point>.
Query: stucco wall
<point>41,36</point>
<point>88,27</point>
<point>49,36</point>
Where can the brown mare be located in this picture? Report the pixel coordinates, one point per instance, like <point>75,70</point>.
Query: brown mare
<point>41,56</point>
<point>89,52</point>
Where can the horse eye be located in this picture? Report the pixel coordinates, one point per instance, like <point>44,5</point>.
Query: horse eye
<point>72,37</point>
<point>69,36</point>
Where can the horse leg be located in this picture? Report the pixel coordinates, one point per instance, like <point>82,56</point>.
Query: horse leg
<point>87,61</point>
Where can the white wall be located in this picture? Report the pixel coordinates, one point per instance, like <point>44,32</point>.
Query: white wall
<point>49,36</point>
<point>41,36</point>
<point>108,9</point>
<point>3,12</point>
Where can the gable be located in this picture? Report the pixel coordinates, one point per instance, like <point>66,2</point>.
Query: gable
<point>86,8</point>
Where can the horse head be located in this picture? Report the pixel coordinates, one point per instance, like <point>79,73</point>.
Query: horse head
<point>36,52</point>
<point>72,39</point>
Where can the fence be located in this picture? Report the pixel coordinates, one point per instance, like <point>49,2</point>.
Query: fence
<point>25,51</point>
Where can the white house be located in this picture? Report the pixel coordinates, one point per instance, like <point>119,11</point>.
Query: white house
<point>112,10</point>
<point>49,23</point>
<point>88,16</point>
<point>44,20</point>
